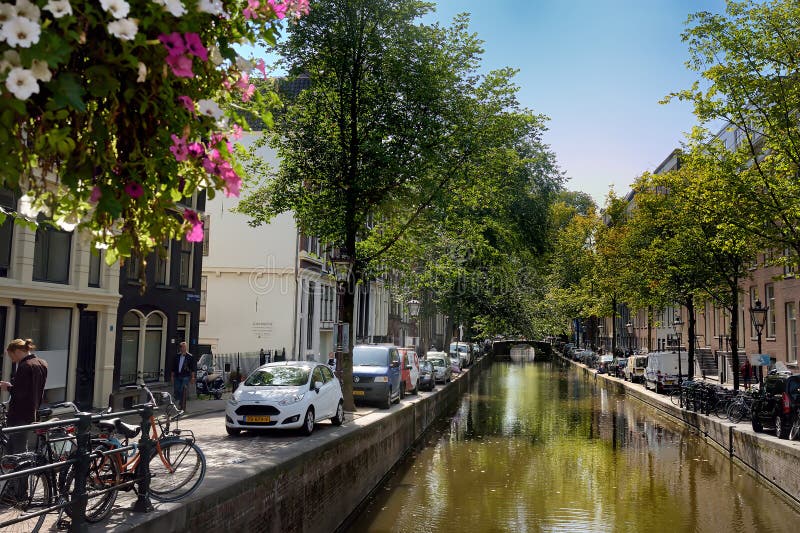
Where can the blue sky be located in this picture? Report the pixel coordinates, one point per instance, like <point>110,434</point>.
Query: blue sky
<point>598,69</point>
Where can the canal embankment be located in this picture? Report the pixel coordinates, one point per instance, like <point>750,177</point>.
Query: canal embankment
<point>314,484</point>
<point>774,460</point>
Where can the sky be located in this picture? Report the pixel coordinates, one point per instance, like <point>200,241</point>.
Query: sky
<point>597,69</point>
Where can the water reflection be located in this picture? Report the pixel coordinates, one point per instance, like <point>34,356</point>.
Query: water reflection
<point>540,447</point>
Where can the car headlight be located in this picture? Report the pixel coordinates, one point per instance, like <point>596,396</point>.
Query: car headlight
<point>233,402</point>
<point>292,399</point>
<point>381,379</point>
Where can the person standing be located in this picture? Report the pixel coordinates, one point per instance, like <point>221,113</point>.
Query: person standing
<point>26,388</point>
<point>183,373</point>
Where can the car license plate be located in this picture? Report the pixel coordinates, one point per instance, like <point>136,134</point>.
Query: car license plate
<point>358,393</point>
<point>669,382</point>
<point>254,419</point>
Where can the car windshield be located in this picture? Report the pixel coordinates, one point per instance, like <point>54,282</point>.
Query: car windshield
<point>370,356</point>
<point>279,376</point>
<point>425,366</point>
<point>437,362</point>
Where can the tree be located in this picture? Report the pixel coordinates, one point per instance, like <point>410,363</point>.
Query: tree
<point>748,60</point>
<point>365,141</point>
<point>110,114</point>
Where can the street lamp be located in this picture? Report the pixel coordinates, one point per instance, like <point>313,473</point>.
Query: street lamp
<point>342,266</point>
<point>600,327</point>
<point>758,315</point>
<point>678,327</point>
<point>413,312</point>
<point>342,269</point>
<point>629,329</point>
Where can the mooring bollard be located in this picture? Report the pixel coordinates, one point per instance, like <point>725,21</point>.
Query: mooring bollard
<point>146,445</point>
<point>79,498</point>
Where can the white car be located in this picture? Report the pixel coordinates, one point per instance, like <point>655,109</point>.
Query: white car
<point>285,395</point>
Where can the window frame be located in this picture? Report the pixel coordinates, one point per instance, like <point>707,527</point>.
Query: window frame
<point>45,232</point>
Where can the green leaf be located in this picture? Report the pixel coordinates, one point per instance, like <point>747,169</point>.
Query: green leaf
<point>101,81</point>
<point>67,91</point>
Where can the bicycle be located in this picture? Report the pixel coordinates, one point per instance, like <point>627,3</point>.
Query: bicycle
<point>177,465</point>
<point>794,432</point>
<point>741,408</point>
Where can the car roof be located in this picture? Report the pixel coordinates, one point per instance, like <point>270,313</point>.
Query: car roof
<point>303,364</point>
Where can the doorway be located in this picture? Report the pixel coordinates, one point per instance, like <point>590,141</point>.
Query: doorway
<point>87,353</point>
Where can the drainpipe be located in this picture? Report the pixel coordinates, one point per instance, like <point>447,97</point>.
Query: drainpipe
<point>295,329</point>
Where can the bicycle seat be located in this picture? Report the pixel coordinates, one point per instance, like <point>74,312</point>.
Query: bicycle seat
<point>43,412</point>
<point>115,424</point>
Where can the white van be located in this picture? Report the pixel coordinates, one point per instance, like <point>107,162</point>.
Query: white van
<point>662,370</point>
<point>634,370</point>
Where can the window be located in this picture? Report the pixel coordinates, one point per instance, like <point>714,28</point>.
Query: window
<point>49,327</point>
<point>95,267</point>
<point>310,317</point>
<point>162,254</point>
<point>791,332</point>
<point>789,267</point>
<point>317,376</point>
<point>133,268</point>
<point>206,230</point>
<point>769,292</point>
<point>187,260</point>
<point>184,320</point>
<point>753,298</point>
<point>51,254</point>
<point>327,374</point>
<point>8,203</point>
<point>203,296</point>
<point>143,345</point>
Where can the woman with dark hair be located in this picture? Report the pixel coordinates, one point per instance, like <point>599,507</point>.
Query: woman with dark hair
<point>26,387</point>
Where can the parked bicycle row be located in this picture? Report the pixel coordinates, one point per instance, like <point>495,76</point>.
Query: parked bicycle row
<point>74,468</point>
<point>774,406</point>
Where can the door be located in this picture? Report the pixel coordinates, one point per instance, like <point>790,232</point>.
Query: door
<point>87,352</point>
<point>324,396</point>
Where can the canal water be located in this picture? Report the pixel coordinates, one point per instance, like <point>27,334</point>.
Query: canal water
<point>542,447</point>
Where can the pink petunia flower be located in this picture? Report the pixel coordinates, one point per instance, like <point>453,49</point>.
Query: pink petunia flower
<point>195,46</point>
<point>251,11</point>
<point>196,233</point>
<point>278,9</point>
<point>237,132</point>
<point>187,102</point>
<point>244,81</point>
<point>248,93</point>
<point>173,42</point>
<point>226,84</point>
<point>179,148</point>
<point>197,150</point>
<point>97,193</point>
<point>262,67</point>
<point>181,66</point>
<point>133,189</point>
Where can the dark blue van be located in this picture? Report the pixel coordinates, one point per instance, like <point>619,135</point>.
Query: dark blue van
<point>376,374</point>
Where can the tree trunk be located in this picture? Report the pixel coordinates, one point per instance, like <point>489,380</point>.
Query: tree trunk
<point>614,326</point>
<point>650,328</point>
<point>734,331</point>
<point>690,339</point>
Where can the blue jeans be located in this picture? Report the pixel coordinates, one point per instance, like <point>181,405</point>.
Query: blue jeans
<point>181,387</point>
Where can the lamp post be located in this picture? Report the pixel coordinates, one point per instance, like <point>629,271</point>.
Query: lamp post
<point>342,269</point>
<point>629,329</point>
<point>600,327</point>
<point>758,315</point>
<point>413,312</point>
<point>678,327</point>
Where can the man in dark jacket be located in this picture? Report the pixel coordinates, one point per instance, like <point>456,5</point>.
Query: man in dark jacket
<point>26,388</point>
<point>183,371</point>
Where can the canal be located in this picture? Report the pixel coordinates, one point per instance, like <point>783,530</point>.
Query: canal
<point>542,447</point>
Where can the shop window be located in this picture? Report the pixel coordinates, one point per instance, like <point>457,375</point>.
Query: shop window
<point>51,254</point>
<point>49,327</point>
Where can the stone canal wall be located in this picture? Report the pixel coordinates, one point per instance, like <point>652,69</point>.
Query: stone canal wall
<point>323,481</point>
<point>774,460</point>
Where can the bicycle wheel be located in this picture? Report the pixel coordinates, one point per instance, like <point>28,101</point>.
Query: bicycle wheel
<point>736,412</point>
<point>103,474</point>
<point>794,433</point>
<point>675,396</point>
<point>176,471</point>
<point>21,496</point>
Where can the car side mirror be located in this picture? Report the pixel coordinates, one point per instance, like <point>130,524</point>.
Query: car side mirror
<point>317,385</point>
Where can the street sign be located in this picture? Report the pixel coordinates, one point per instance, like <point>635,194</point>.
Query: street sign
<point>760,359</point>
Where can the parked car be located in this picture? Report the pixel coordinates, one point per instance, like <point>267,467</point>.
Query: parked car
<point>455,363</point>
<point>775,407</point>
<point>604,364</point>
<point>377,375</point>
<point>618,366</point>
<point>441,364</point>
<point>409,369</point>
<point>634,369</point>
<point>462,352</point>
<point>427,376</point>
<point>662,368</point>
<point>291,394</point>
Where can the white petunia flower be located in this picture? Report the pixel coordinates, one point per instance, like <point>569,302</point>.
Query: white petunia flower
<point>29,10</point>
<point>123,29</point>
<point>10,59</point>
<point>215,55</point>
<point>175,7</point>
<point>59,8</point>
<point>21,32</point>
<point>142,72</point>
<point>209,108</point>
<point>21,83</point>
<point>7,12</point>
<point>41,70</point>
<point>213,7</point>
<point>116,8</point>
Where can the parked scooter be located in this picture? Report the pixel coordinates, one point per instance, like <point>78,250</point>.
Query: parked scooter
<point>209,382</point>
